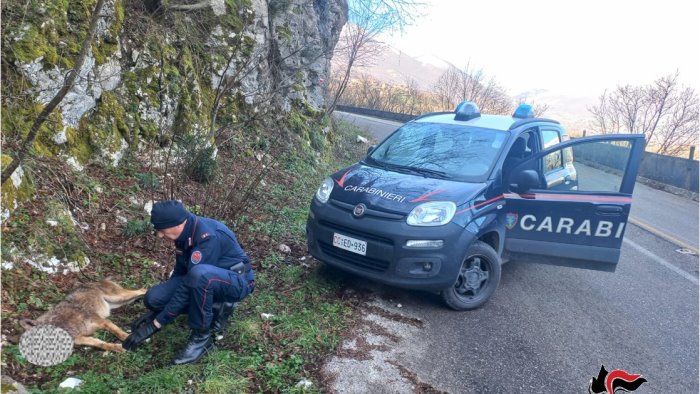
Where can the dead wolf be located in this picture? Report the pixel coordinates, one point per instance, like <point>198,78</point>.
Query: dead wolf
<point>86,310</point>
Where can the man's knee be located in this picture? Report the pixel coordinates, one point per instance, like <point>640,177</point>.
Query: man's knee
<point>200,274</point>
<point>153,300</point>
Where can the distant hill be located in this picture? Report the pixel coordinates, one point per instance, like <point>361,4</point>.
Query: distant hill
<point>397,67</point>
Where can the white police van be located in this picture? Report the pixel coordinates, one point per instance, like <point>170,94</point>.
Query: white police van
<point>443,201</point>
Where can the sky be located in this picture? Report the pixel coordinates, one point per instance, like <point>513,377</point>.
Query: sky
<point>566,47</point>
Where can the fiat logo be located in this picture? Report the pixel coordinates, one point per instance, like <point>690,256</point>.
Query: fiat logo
<point>359,210</point>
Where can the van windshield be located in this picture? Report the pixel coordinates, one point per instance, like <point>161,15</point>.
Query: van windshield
<point>440,150</point>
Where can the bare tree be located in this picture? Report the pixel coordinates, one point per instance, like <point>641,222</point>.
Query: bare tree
<point>665,112</point>
<point>358,45</point>
<point>456,84</point>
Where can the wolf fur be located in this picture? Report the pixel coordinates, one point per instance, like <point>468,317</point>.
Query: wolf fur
<point>86,310</point>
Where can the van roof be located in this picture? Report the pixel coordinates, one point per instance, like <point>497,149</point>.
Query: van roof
<point>494,122</point>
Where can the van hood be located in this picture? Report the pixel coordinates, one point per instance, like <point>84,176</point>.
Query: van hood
<point>397,192</point>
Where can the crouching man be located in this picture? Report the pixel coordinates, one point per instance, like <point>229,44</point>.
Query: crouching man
<point>212,273</point>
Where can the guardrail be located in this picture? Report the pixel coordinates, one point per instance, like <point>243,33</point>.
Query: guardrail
<point>376,113</point>
<point>667,172</point>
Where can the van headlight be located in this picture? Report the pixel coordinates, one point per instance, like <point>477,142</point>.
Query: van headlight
<point>324,191</point>
<point>434,213</point>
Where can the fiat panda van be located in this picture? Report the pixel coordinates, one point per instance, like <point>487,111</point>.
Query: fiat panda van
<point>446,199</point>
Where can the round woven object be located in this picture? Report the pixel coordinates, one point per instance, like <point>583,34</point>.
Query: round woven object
<point>46,345</point>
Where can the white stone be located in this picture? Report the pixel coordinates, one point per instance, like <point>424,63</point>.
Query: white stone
<point>133,200</point>
<point>219,7</point>
<point>70,383</point>
<point>17,176</point>
<point>73,163</point>
<point>60,138</point>
<point>7,265</point>
<point>266,316</point>
<point>115,157</point>
<point>362,140</point>
<point>304,383</point>
<point>51,222</point>
<point>148,206</point>
<point>121,219</point>
<point>284,249</point>
<point>109,74</point>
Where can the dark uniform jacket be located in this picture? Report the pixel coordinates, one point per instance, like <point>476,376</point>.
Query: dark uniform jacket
<point>206,241</point>
<point>203,241</point>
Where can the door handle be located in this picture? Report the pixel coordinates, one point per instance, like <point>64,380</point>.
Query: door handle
<point>609,209</point>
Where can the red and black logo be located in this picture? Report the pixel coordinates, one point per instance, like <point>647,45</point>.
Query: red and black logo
<point>613,381</point>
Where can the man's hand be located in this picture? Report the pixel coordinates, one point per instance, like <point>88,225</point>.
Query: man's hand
<point>145,318</point>
<point>140,335</point>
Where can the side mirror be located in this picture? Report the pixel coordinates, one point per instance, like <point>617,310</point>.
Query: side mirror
<point>370,149</point>
<point>524,180</point>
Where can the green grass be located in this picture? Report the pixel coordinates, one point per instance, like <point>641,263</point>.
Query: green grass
<point>256,354</point>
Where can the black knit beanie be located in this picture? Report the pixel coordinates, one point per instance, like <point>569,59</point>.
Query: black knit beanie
<point>166,214</point>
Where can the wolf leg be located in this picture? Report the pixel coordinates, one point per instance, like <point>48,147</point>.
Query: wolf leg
<point>123,297</point>
<point>114,329</point>
<point>94,342</point>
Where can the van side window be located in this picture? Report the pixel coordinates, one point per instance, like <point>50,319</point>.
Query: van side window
<point>553,160</point>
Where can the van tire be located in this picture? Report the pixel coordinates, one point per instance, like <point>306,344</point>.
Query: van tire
<point>477,280</point>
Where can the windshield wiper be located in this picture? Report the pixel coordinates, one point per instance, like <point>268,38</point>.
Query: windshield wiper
<point>410,169</point>
<point>427,171</point>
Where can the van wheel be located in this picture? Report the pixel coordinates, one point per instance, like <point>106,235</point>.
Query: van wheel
<point>477,279</point>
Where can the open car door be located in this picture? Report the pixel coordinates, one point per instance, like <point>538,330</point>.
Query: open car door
<point>568,205</point>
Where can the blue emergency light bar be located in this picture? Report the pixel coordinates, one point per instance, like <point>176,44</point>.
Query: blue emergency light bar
<point>467,110</point>
<point>524,111</point>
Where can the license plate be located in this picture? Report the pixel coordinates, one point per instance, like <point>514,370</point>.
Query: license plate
<point>350,244</point>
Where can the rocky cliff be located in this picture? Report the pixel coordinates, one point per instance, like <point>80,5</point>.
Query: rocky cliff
<point>156,71</point>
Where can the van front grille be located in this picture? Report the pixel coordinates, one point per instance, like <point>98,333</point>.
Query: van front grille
<point>354,259</point>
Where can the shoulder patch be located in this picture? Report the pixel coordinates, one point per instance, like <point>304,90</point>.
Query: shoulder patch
<point>205,235</point>
<point>196,257</point>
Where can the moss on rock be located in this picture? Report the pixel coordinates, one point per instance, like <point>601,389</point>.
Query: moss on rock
<point>105,127</point>
<point>14,194</point>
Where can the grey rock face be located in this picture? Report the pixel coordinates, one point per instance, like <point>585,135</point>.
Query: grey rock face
<point>89,85</point>
<point>289,61</point>
<point>293,49</point>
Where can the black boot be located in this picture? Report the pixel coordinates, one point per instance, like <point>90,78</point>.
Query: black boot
<point>199,344</point>
<point>222,311</point>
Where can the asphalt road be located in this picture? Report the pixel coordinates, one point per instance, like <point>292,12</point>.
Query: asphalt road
<point>549,329</point>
